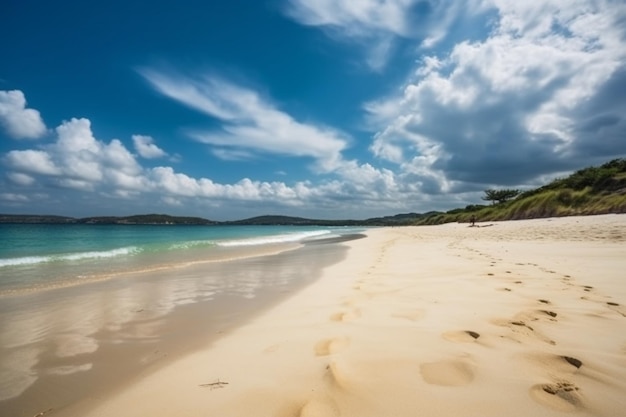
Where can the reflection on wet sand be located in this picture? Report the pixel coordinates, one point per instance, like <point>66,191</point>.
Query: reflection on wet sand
<point>62,346</point>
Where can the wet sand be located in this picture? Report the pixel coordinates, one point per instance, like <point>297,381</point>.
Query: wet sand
<point>65,349</point>
<point>507,319</point>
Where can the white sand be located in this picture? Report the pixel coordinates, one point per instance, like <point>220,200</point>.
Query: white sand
<point>523,318</point>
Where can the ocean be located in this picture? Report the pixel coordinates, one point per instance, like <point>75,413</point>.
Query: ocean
<point>42,256</point>
<point>86,308</point>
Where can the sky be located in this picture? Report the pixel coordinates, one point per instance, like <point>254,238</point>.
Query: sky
<point>327,109</point>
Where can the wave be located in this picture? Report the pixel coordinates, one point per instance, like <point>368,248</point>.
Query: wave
<point>192,244</point>
<point>282,238</point>
<point>32,260</point>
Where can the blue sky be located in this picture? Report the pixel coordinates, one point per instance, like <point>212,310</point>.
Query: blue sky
<point>324,109</point>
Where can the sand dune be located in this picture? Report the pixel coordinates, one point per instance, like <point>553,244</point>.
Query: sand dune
<point>522,318</point>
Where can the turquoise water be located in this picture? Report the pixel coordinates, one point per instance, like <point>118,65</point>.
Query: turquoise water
<point>38,256</point>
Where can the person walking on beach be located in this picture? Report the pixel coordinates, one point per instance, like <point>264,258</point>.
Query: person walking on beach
<point>472,221</point>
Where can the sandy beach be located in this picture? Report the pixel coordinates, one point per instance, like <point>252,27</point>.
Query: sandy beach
<point>524,318</point>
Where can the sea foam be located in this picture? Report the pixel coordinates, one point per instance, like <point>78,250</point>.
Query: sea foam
<point>274,239</point>
<point>32,260</point>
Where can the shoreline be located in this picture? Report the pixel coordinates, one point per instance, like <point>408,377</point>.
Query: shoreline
<point>217,255</point>
<point>68,348</point>
<point>522,318</point>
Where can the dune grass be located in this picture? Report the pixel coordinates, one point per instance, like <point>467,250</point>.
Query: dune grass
<point>593,190</point>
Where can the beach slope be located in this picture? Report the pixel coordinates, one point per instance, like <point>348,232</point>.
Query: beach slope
<point>505,319</point>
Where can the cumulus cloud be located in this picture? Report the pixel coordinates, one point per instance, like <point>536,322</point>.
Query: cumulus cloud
<point>515,105</point>
<point>19,121</point>
<point>499,84</point>
<point>78,161</point>
<point>250,123</point>
<point>32,161</point>
<point>146,148</point>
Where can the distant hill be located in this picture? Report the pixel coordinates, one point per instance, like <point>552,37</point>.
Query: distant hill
<point>148,219</point>
<point>592,190</point>
<point>274,220</point>
<point>143,219</point>
<point>164,219</point>
<point>26,218</point>
<point>398,219</point>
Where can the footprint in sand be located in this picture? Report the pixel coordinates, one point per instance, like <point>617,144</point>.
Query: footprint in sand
<point>318,408</point>
<point>461,336</point>
<point>329,346</point>
<point>520,330</point>
<point>548,313</point>
<point>337,375</point>
<point>449,373</point>
<point>411,315</point>
<point>346,315</point>
<point>556,364</point>
<point>577,363</point>
<point>616,307</point>
<point>271,349</point>
<point>561,396</point>
<point>535,315</point>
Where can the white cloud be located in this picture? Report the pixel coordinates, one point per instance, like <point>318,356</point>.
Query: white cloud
<point>182,185</point>
<point>146,148</point>
<point>174,183</point>
<point>14,198</point>
<point>75,136</point>
<point>233,154</point>
<point>356,18</point>
<point>32,162</point>
<point>19,122</point>
<point>78,152</point>
<point>88,161</point>
<point>77,160</point>
<point>480,112</point>
<point>21,178</point>
<point>379,53</point>
<point>377,25</point>
<point>249,122</point>
<point>115,156</point>
<point>372,23</point>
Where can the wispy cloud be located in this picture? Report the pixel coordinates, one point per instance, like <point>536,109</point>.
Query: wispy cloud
<point>353,18</point>
<point>374,24</point>
<point>250,123</point>
<point>377,25</point>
